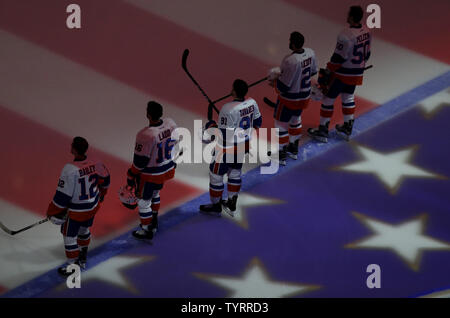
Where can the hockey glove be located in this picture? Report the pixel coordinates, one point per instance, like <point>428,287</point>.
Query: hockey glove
<point>59,219</point>
<point>131,178</point>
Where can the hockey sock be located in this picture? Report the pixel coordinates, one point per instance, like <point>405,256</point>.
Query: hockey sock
<point>83,240</point>
<point>326,112</point>
<point>155,204</point>
<point>215,192</point>
<point>283,138</point>
<point>233,187</point>
<point>295,132</point>
<point>72,249</point>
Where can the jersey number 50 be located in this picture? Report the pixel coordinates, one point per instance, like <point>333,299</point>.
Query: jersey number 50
<point>361,52</point>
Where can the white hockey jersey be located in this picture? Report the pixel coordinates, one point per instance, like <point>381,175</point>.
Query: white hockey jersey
<point>79,188</point>
<point>237,120</point>
<point>153,158</point>
<point>351,54</point>
<point>294,83</point>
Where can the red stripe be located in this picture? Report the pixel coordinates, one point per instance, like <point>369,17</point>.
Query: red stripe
<point>2,289</point>
<point>83,242</point>
<point>326,113</point>
<point>72,254</point>
<point>295,131</point>
<point>398,22</point>
<point>32,159</point>
<point>215,193</point>
<point>233,188</point>
<point>283,140</point>
<point>146,221</point>
<point>348,111</point>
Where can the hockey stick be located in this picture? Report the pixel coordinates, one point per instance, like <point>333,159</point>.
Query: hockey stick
<point>269,102</point>
<point>252,84</point>
<point>184,66</point>
<point>10,232</point>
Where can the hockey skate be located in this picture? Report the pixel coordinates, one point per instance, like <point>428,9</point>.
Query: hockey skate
<point>319,134</point>
<point>64,272</point>
<point>292,150</point>
<point>344,131</point>
<point>154,225</point>
<point>143,234</point>
<point>82,257</point>
<point>282,156</point>
<point>211,209</point>
<point>229,206</point>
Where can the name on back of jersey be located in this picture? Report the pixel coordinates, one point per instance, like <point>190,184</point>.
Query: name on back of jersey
<point>246,111</point>
<point>363,37</point>
<point>86,170</point>
<point>306,62</point>
<point>165,134</point>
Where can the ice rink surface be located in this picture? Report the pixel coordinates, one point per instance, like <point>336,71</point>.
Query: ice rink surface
<point>57,83</point>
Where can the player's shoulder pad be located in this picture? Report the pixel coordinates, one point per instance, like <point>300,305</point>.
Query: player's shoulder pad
<point>310,51</point>
<point>251,100</point>
<point>344,35</point>
<point>170,121</point>
<point>69,169</point>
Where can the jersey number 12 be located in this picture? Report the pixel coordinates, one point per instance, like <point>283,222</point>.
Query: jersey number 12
<point>90,181</point>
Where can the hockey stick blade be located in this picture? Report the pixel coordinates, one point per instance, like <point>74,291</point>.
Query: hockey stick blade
<point>184,59</point>
<point>269,102</point>
<point>4,228</point>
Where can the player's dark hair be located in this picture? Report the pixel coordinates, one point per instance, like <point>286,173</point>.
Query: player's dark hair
<point>154,110</point>
<point>356,12</point>
<point>240,87</point>
<point>80,145</point>
<point>297,39</point>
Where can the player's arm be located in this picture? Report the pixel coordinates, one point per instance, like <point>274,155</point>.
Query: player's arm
<point>257,118</point>
<point>340,54</point>
<point>367,56</point>
<point>314,68</point>
<point>57,209</point>
<point>141,158</point>
<point>104,180</point>
<point>284,81</point>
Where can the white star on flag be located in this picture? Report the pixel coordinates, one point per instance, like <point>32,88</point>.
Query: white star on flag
<point>406,239</point>
<point>391,168</point>
<point>256,283</point>
<point>432,104</point>
<point>245,201</point>
<point>110,271</point>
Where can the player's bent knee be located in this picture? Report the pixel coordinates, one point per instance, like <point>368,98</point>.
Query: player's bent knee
<point>328,101</point>
<point>145,205</point>
<point>234,174</point>
<point>347,98</point>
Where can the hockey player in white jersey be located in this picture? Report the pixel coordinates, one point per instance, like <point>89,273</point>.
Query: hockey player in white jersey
<point>344,72</point>
<point>236,122</point>
<point>152,166</point>
<point>82,186</point>
<point>292,82</point>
